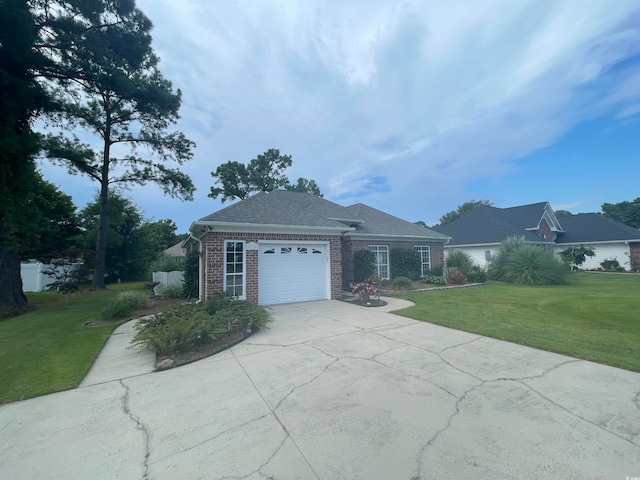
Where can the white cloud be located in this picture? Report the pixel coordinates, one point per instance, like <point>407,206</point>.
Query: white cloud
<point>420,96</point>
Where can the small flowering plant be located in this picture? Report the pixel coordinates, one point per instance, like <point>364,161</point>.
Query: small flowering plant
<point>367,288</point>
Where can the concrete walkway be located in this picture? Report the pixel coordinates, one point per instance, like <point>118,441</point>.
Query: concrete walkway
<point>335,391</point>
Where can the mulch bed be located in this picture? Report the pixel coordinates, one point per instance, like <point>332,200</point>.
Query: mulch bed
<point>205,350</point>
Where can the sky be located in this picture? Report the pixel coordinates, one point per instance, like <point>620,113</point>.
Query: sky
<point>411,107</point>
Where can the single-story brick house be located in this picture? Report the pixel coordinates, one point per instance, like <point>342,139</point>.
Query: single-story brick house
<point>480,232</point>
<point>282,246</point>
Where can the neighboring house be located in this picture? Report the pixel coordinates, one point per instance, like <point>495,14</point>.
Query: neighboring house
<point>177,251</point>
<point>480,232</point>
<point>282,246</point>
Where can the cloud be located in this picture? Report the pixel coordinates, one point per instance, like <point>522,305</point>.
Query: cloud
<point>397,102</point>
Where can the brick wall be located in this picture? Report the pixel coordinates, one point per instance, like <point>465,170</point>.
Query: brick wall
<point>213,260</point>
<point>634,257</point>
<point>350,246</point>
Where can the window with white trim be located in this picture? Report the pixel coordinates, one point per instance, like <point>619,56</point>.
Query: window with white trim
<point>425,259</point>
<point>382,260</point>
<point>234,268</point>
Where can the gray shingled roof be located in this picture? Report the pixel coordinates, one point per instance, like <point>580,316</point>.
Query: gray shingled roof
<point>376,222</point>
<point>285,208</point>
<point>593,227</point>
<point>490,225</point>
<point>268,209</point>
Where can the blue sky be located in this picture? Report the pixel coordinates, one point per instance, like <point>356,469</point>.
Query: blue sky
<point>412,107</point>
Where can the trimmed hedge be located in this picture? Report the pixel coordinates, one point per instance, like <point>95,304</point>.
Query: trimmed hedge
<point>405,262</point>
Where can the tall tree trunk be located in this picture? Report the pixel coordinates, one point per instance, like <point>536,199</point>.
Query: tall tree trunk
<point>12,297</point>
<point>101,241</point>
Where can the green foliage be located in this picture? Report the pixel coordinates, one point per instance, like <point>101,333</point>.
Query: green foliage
<point>364,265</point>
<point>523,263</point>
<point>434,279</point>
<point>436,271</point>
<point>22,99</point>
<point>402,283</point>
<point>173,291</point>
<point>166,263</point>
<point>263,174</point>
<point>459,259</point>
<point>124,304</point>
<point>477,274</point>
<point>175,330</point>
<point>457,277</point>
<point>611,265</point>
<point>162,233</point>
<point>624,212</point>
<point>405,262</point>
<point>305,186</point>
<point>129,248</point>
<point>191,269</point>
<point>66,276</point>
<point>462,210</point>
<point>576,255</point>
<point>181,327</point>
<point>110,86</point>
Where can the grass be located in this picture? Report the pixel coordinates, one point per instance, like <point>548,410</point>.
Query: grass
<point>51,349</point>
<point>596,317</point>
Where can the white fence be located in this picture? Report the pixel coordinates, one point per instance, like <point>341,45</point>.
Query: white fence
<point>166,279</point>
<point>33,280</point>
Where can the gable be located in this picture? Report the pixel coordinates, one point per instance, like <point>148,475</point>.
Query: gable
<point>492,225</point>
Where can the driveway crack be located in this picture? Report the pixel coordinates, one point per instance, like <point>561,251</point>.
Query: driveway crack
<point>139,426</point>
<point>626,439</point>
<point>419,461</point>
<point>275,415</point>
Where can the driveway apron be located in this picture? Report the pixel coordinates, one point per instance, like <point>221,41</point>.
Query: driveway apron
<point>332,391</point>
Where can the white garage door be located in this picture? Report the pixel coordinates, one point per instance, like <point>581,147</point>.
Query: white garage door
<point>292,272</point>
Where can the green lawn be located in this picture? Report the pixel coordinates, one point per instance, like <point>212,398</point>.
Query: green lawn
<point>50,349</point>
<point>596,318</point>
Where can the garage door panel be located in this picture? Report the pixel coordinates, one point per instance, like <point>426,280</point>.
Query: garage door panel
<point>292,272</point>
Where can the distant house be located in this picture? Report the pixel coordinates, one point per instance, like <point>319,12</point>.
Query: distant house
<point>282,246</point>
<point>480,232</point>
<point>177,251</point>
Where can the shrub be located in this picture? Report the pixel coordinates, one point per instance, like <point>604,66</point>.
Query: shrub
<point>181,327</point>
<point>435,279</point>
<point>612,265</point>
<point>402,283</point>
<point>457,277</point>
<point>405,262</point>
<point>477,275</point>
<point>124,304</point>
<point>175,330</point>
<point>364,265</point>
<point>191,271</point>
<point>460,260</point>
<point>166,263</point>
<point>173,291</point>
<point>242,316</point>
<point>524,263</point>
<point>436,271</point>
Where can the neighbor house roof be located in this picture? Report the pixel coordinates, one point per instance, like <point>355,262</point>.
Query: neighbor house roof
<point>492,225</point>
<point>303,210</point>
<point>593,227</point>
<point>176,250</point>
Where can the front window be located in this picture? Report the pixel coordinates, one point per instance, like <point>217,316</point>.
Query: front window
<point>234,269</point>
<point>382,260</point>
<point>425,259</point>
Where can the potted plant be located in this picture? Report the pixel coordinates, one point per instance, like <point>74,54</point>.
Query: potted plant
<point>364,290</point>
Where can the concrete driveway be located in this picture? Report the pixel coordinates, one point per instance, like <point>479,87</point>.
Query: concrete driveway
<point>335,391</point>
